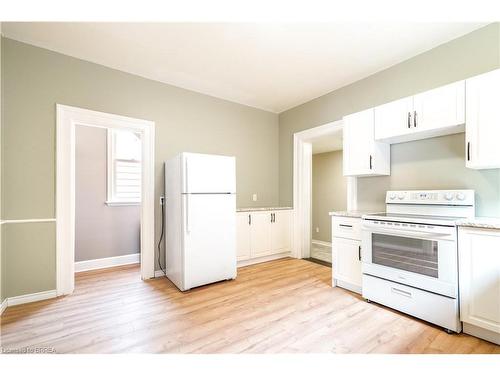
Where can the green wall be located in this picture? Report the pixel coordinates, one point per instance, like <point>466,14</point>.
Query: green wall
<point>413,164</point>
<point>35,79</point>
<point>329,192</point>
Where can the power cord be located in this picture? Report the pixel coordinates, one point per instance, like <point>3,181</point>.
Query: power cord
<point>161,235</point>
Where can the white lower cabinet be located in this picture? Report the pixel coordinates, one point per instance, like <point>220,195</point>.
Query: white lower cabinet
<point>243,236</point>
<point>263,233</point>
<point>346,253</point>
<point>479,273</point>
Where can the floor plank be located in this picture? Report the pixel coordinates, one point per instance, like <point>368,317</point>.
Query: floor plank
<point>283,306</point>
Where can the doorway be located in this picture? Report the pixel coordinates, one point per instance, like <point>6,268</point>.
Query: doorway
<point>68,119</point>
<point>328,193</point>
<point>322,139</point>
<point>108,168</point>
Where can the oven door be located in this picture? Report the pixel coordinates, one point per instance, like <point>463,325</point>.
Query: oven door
<point>422,256</point>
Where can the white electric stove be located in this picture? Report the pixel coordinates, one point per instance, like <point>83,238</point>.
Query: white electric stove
<point>410,255</point>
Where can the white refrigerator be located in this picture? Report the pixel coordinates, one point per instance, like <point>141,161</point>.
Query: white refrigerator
<point>200,219</point>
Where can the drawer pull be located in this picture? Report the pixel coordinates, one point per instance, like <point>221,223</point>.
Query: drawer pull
<point>345,225</point>
<point>401,292</point>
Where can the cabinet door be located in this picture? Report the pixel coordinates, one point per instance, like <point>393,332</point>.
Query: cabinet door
<point>362,156</point>
<point>479,272</point>
<point>280,231</point>
<point>260,234</point>
<point>346,264</point>
<point>394,119</point>
<point>243,235</point>
<point>482,129</point>
<point>439,108</point>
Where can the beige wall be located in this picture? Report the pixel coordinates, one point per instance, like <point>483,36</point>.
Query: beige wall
<point>35,79</point>
<point>101,231</point>
<point>329,192</point>
<point>464,57</point>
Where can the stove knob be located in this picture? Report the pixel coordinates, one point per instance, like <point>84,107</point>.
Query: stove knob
<point>401,196</point>
<point>392,196</point>
<point>448,196</point>
<point>460,196</point>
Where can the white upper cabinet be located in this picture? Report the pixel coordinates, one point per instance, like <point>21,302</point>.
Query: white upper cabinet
<point>363,156</point>
<point>390,119</point>
<point>440,108</point>
<point>483,121</point>
<point>432,113</point>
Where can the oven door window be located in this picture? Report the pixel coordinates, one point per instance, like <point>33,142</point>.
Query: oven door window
<point>409,254</point>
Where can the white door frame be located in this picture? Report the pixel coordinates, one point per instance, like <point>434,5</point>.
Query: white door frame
<point>302,182</point>
<point>67,119</point>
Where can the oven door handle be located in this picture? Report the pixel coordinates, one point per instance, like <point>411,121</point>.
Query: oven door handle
<point>409,233</point>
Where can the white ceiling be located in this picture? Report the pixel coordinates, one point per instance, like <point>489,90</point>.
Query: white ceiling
<point>269,66</point>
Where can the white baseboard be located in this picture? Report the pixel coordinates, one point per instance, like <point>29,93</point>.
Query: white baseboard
<point>159,273</point>
<point>321,243</point>
<point>481,333</point>
<point>95,264</point>
<point>33,297</point>
<point>3,306</point>
<point>248,262</point>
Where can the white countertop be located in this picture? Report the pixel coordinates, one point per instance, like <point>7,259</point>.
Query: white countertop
<point>480,222</point>
<point>250,209</point>
<point>357,214</point>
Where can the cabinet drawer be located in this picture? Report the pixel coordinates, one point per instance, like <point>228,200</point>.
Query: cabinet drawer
<point>431,307</point>
<point>346,227</point>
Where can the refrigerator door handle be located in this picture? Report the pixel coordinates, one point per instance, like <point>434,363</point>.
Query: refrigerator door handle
<point>187,214</point>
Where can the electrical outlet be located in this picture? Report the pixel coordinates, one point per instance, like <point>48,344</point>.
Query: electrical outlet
<point>254,197</point>
<point>162,200</point>
<point>317,229</point>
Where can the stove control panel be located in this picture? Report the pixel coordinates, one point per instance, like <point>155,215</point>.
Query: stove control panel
<point>434,197</point>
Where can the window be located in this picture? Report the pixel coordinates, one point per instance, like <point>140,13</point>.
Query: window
<point>124,167</point>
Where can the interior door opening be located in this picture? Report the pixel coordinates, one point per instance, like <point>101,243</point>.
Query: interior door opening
<point>108,178</point>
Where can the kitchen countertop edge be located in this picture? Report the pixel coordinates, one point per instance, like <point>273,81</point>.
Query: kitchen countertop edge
<point>355,214</point>
<point>480,222</point>
<point>252,209</point>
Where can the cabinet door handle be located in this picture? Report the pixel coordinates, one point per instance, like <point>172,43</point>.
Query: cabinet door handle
<point>359,253</point>
<point>274,218</point>
<point>271,218</point>
<point>345,225</point>
<point>409,120</point>
<point>249,219</point>
<point>468,151</point>
<point>371,162</point>
<point>415,119</point>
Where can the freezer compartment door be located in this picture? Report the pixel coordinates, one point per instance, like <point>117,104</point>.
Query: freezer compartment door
<point>209,173</point>
<point>209,238</point>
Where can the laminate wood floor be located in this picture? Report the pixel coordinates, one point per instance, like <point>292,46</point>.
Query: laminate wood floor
<point>285,305</point>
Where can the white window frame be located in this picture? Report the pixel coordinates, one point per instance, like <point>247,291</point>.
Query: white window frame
<point>110,183</point>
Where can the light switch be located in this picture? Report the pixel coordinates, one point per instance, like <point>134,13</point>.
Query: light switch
<point>317,229</point>
<point>254,197</point>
